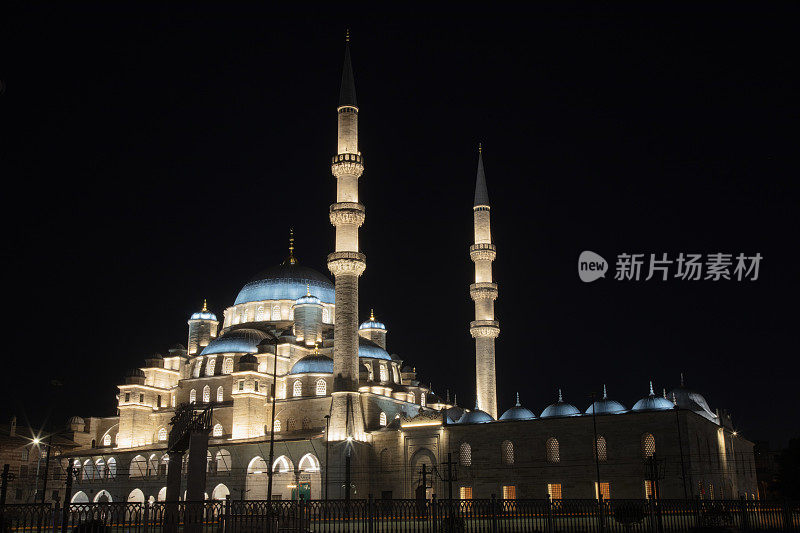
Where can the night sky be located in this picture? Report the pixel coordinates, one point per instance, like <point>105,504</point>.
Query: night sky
<point>156,155</point>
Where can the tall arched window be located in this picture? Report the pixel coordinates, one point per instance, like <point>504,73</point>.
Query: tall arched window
<point>648,445</point>
<point>465,454</point>
<point>196,369</point>
<point>223,459</point>
<point>206,394</point>
<point>382,419</point>
<point>107,439</point>
<point>227,365</point>
<point>100,467</point>
<point>552,450</point>
<point>138,466</point>
<point>507,452</point>
<point>260,313</point>
<point>326,315</point>
<point>217,431</point>
<point>220,394</point>
<point>210,364</point>
<point>244,315</point>
<point>276,313</point>
<point>321,387</point>
<point>395,376</point>
<point>192,396</point>
<point>162,434</point>
<point>411,397</point>
<point>422,399</point>
<point>383,373</point>
<point>297,389</point>
<point>601,449</point>
<point>277,426</point>
<point>112,468</point>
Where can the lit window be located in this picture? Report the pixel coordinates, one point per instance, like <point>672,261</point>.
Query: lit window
<point>321,387</point>
<point>217,431</point>
<point>277,426</point>
<point>465,493</point>
<point>507,452</point>
<point>394,374</point>
<point>106,440</point>
<point>384,374</point>
<point>227,366</point>
<point>710,491</point>
<point>192,396</point>
<point>174,400</point>
<point>601,449</point>
<point>297,389</point>
<point>276,313</point>
<point>291,424</point>
<point>244,315</point>
<point>605,490</point>
<point>162,434</point>
<point>206,394</point>
<point>648,489</point>
<point>509,492</point>
<point>210,364</point>
<point>465,454</point>
<point>648,445</point>
<point>422,401</point>
<point>260,314</point>
<point>554,490</point>
<point>326,315</point>
<point>382,419</point>
<point>220,394</point>
<point>553,455</point>
<point>196,368</point>
<point>127,397</point>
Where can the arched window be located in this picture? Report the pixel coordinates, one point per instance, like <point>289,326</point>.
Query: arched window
<point>291,424</point>
<point>321,387</point>
<point>552,450</point>
<point>309,463</point>
<point>260,314</point>
<point>422,399</point>
<point>206,394</point>
<point>306,423</point>
<point>227,365</point>
<point>138,467</point>
<point>244,315</point>
<point>382,419</point>
<point>297,389</point>
<point>465,454</point>
<point>326,315</point>
<point>384,374</point>
<point>111,467</point>
<point>601,449</point>
<point>210,364</point>
<point>411,397</point>
<point>277,426</point>
<point>162,434</point>
<point>220,394</point>
<point>223,461</point>
<point>507,452</point>
<point>192,396</point>
<point>276,313</point>
<point>100,468</point>
<point>217,431</point>
<point>648,445</point>
<point>196,369</point>
<point>281,465</point>
<point>107,439</point>
<point>395,376</point>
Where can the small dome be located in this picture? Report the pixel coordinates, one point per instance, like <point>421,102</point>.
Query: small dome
<point>242,340</point>
<point>476,416</point>
<point>653,403</point>
<point>308,298</point>
<point>204,314</point>
<point>604,406</point>
<point>560,408</point>
<point>372,323</point>
<point>367,348</point>
<point>692,400</point>
<point>518,413</point>
<point>313,364</point>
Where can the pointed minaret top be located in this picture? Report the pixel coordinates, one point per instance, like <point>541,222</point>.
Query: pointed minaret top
<point>205,306</point>
<point>481,192</point>
<point>347,91</point>
<point>291,259</point>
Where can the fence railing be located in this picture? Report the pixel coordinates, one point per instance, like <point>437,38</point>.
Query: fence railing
<point>417,516</point>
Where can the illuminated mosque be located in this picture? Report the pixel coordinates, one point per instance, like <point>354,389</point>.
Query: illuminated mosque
<point>344,401</point>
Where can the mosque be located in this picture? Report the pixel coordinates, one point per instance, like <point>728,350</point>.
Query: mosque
<point>350,415</point>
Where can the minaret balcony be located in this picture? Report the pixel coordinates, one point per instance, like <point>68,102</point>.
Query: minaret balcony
<point>483,252</point>
<point>484,328</point>
<point>485,290</point>
<point>353,263</point>
<point>344,213</point>
<point>347,165</point>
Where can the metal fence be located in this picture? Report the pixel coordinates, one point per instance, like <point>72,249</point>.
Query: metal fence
<point>412,516</point>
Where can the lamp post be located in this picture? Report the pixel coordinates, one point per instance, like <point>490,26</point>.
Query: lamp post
<point>327,430</point>
<point>597,462</point>
<point>272,424</point>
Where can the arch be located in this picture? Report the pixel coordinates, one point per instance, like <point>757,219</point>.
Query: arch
<point>309,463</point>
<point>88,470</point>
<point>282,464</point>
<point>206,394</point>
<point>220,394</point>
<point>103,496</point>
<point>465,454</point>
<point>111,466</point>
<point>162,434</point>
<point>136,496</point>
<point>227,365</point>
<point>601,449</point>
<point>507,452</point>
<point>162,494</point>
<point>220,492</point>
<point>259,315</point>
<point>311,473</point>
<point>217,431</point>
<point>107,439</point>
<point>77,465</point>
<point>276,313</point>
<point>257,465</point>
<point>223,459</point>
<point>138,466</point>
<point>552,450</point>
<point>383,372</point>
<point>79,497</point>
<point>192,396</point>
<point>422,457</point>
<point>100,468</point>
<point>297,388</point>
<point>256,479</point>
<point>382,418</point>
<point>648,445</point>
<point>210,364</point>
<point>277,426</point>
<point>321,387</point>
<point>152,465</point>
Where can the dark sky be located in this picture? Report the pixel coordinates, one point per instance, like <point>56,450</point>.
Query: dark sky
<point>156,155</point>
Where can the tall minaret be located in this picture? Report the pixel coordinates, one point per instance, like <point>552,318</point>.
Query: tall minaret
<point>484,291</point>
<point>346,264</point>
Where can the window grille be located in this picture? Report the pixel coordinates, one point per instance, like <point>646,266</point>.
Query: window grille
<point>465,493</point>
<point>291,424</point>
<point>227,366</point>
<point>601,449</point>
<point>507,452</point>
<point>553,452</point>
<point>509,492</point>
<point>648,445</point>
<point>297,389</point>
<point>210,364</point>
<point>206,394</point>
<point>554,490</point>
<point>192,396</point>
<point>465,454</point>
<point>217,431</point>
<point>106,440</point>
<point>605,490</point>
<point>162,434</point>
<point>321,387</point>
<point>220,394</point>
<point>382,420</point>
<point>277,426</point>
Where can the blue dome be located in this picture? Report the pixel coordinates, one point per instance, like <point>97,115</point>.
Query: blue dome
<point>692,400</point>
<point>372,324</point>
<point>476,416</point>
<point>313,364</point>
<point>560,408</point>
<point>367,348</point>
<point>308,299</point>
<point>242,340</point>
<point>518,413</point>
<point>286,282</point>
<point>653,403</point>
<point>204,315</point>
<point>604,406</point>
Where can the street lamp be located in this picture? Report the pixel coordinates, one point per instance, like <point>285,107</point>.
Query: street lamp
<point>272,424</point>
<point>327,434</point>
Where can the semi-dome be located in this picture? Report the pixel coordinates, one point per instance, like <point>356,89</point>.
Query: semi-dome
<point>605,406</point>
<point>560,408</point>
<point>287,281</point>
<point>367,348</point>
<point>313,364</point>
<point>518,413</point>
<point>653,402</point>
<point>372,323</point>
<point>475,416</point>
<point>241,340</point>
<point>204,314</point>
<point>694,401</point>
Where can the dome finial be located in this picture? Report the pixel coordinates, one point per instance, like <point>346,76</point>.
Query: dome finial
<point>455,398</point>
<point>347,35</point>
<point>651,389</point>
<point>518,404</point>
<point>480,147</point>
<point>205,306</point>
<point>316,347</point>
<point>308,289</point>
<point>664,392</point>
<point>560,397</point>
<point>291,259</point>
<point>674,399</point>
<point>605,393</point>
<point>372,315</point>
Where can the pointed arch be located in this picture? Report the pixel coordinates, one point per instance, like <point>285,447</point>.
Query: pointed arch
<point>309,463</point>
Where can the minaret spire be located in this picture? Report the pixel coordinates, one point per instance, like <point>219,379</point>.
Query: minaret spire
<point>484,292</point>
<point>347,91</point>
<point>291,259</point>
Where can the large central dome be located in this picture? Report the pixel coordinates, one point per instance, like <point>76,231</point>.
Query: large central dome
<point>287,281</point>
